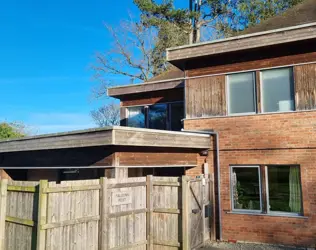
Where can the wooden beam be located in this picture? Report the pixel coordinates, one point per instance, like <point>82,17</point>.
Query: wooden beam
<point>149,218</point>
<point>125,213</point>
<point>167,210</point>
<point>70,222</point>
<point>131,184</point>
<point>71,189</point>
<point>20,221</point>
<point>185,213</point>
<point>3,206</point>
<point>42,215</point>
<point>21,189</point>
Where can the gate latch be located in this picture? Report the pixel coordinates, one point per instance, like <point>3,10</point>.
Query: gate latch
<point>195,211</point>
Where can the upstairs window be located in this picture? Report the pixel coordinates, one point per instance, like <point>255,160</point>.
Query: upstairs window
<point>136,117</point>
<point>164,116</point>
<point>241,93</point>
<point>277,90</point>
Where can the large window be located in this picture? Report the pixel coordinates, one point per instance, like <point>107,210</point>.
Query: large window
<point>164,116</point>
<point>136,117</point>
<point>281,192</point>
<point>277,90</point>
<point>241,93</point>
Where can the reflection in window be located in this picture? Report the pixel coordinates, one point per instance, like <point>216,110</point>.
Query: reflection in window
<point>277,90</point>
<point>177,114</point>
<point>246,188</point>
<point>157,115</point>
<point>136,117</point>
<point>241,93</point>
<point>284,187</point>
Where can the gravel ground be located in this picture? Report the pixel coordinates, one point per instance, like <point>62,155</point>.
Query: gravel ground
<point>247,246</point>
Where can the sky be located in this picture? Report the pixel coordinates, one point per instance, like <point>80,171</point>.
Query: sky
<point>46,50</point>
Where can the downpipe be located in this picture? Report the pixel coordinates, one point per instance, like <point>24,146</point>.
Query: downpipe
<point>214,133</point>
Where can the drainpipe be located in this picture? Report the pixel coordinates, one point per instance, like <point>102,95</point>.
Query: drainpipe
<point>215,133</point>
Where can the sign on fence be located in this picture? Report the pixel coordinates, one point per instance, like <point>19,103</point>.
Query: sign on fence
<point>121,198</point>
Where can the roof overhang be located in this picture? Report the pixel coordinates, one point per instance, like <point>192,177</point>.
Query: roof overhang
<point>178,55</point>
<point>145,87</point>
<point>109,136</point>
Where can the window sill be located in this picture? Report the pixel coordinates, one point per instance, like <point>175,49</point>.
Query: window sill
<point>271,214</point>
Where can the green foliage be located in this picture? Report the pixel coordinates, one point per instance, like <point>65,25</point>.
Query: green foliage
<point>11,131</point>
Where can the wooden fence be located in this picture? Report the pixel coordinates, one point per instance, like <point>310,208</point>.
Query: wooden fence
<point>111,214</point>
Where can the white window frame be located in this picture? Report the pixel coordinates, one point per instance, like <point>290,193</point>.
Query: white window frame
<point>261,90</point>
<point>228,94</point>
<point>268,197</point>
<point>232,191</point>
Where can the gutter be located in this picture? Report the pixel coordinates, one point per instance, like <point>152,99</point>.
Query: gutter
<point>216,134</point>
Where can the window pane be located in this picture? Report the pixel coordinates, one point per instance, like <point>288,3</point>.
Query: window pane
<point>136,117</point>
<point>158,116</point>
<point>277,90</point>
<point>177,114</point>
<point>241,89</point>
<point>284,187</point>
<point>246,188</point>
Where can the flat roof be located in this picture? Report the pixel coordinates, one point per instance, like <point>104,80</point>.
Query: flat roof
<point>243,42</point>
<point>108,136</point>
<point>145,87</point>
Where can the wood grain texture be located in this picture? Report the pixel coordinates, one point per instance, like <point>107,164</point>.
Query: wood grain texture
<point>205,97</point>
<point>305,86</point>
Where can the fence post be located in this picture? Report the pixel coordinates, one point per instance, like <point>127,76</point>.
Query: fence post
<point>3,206</point>
<point>185,213</point>
<point>42,215</point>
<point>103,231</point>
<point>149,218</point>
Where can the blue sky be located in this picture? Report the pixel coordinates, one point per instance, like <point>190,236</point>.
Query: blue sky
<point>46,48</point>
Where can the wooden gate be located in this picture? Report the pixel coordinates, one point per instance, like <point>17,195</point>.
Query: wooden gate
<point>197,206</point>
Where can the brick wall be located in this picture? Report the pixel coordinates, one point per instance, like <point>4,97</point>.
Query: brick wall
<point>288,138</point>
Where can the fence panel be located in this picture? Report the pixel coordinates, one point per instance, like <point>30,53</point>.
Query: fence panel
<point>127,213</point>
<point>21,215</point>
<point>72,215</point>
<point>166,217</point>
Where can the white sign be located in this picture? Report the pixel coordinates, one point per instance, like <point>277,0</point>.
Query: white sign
<point>121,198</point>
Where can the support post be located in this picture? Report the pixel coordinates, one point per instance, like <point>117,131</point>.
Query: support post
<point>103,224</point>
<point>3,206</point>
<point>185,213</point>
<point>42,215</point>
<point>149,219</point>
<point>212,205</point>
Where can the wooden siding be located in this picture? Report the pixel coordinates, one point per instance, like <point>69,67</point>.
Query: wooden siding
<point>205,97</point>
<point>274,56</point>
<point>239,43</point>
<point>305,86</point>
<point>171,95</point>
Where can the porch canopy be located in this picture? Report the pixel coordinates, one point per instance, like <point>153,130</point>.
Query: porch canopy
<point>105,147</point>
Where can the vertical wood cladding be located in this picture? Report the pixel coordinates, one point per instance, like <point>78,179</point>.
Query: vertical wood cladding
<point>305,86</point>
<point>205,97</point>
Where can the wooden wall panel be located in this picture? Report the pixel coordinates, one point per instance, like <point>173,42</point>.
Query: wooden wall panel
<point>205,97</point>
<point>274,56</point>
<point>305,86</point>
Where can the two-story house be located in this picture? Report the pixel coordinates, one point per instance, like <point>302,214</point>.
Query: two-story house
<point>246,109</point>
<point>258,91</point>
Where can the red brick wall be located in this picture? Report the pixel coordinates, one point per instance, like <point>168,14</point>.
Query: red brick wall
<point>288,138</point>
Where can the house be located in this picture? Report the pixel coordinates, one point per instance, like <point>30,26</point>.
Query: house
<point>245,107</point>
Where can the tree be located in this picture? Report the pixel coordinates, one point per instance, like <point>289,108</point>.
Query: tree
<point>11,130</point>
<point>108,115</point>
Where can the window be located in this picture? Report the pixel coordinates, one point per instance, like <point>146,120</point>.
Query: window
<point>157,115</point>
<point>277,90</point>
<point>136,117</point>
<point>246,188</point>
<point>284,189</point>
<point>176,115</point>
<point>164,116</point>
<point>281,195</point>
<point>241,93</point>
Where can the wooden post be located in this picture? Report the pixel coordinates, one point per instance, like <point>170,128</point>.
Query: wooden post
<point>185,213</point>
<point>3,206</point>
<point>212,204</point>
<point>149,219</point>
<point>103,225</point>
<point>42,215</point>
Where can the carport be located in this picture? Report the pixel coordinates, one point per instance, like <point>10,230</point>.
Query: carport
<point>114,152</point>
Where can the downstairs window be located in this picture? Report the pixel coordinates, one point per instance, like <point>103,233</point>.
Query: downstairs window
<point>277,191</point>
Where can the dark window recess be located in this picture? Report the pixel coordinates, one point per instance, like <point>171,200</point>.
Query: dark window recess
<point>163,116</point>
<point>157,115</point>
